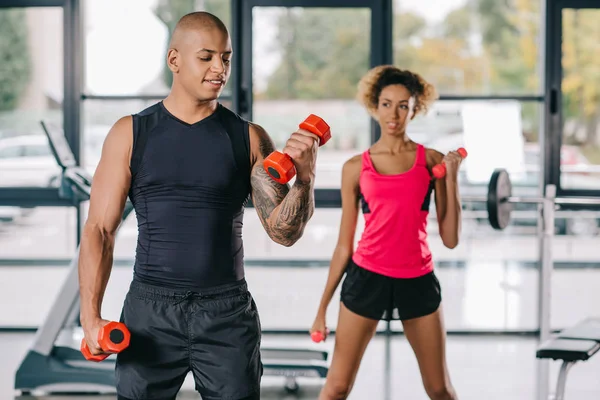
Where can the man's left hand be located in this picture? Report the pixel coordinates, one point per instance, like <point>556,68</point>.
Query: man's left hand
<point>302,148</point>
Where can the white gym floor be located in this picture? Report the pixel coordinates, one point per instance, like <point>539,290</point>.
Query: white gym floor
<point>490,368</point>
<point>492,287</point>
<point>483,296</point>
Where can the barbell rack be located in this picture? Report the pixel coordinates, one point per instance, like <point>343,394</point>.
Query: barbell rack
<point>500,195</point>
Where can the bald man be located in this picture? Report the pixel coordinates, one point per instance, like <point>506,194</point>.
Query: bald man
<point>189,165</point>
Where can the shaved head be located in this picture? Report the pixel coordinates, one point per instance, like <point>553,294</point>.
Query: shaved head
<point>193,23</point>
<point>199,55</point>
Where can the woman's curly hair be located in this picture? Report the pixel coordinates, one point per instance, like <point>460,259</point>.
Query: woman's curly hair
<point>373,82</point>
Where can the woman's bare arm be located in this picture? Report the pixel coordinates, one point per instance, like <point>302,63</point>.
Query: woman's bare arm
<point>447,202</point>
<point>345,244</point>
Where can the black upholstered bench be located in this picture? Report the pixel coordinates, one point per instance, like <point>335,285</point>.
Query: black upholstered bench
<point>572,345</point>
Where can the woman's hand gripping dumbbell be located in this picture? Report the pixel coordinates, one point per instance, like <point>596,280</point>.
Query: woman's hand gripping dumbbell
<point>281,166</point>
<point>439,170</point>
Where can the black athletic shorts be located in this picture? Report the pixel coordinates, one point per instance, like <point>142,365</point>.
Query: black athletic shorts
<point>215,333</point>
<point>380,297</point>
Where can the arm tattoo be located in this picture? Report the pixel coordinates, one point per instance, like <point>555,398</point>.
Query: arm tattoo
<point>292,215</point>
<point>284,212</point>
<point>266,193</point>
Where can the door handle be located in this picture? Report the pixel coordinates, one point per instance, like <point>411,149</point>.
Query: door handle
<point>553,101</point>
<point>243,101</point>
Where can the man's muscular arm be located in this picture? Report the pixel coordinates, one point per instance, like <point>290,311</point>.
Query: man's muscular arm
<point>283,211</point>
<point>107,201</point>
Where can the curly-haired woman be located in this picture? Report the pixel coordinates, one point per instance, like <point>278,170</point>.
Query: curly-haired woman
<point>390,275</point>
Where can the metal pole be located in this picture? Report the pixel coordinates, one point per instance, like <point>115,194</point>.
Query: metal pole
<point>511,199</point>
<point>537,200</point>
<point>387,370</point>
<point>530,200</point>
<point>544,288</point>
<point>562,380</point>
<point>578,200</point>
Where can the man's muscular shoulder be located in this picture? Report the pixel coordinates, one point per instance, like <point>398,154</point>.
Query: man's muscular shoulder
<point>261,144</point>
<point>119,138</point>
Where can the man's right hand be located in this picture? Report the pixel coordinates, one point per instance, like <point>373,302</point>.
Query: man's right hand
<point>110,187</point>
<point>90,331</point>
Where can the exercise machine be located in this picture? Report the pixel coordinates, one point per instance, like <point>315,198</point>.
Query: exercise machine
<point>54,363</point>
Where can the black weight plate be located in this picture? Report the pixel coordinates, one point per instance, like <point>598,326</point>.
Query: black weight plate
<point>498,207</point>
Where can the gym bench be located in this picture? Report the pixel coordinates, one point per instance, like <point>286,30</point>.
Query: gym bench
<point>293,363</point>
<point>578,343</point>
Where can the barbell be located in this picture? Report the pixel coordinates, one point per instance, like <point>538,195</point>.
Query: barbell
<point>499,199</point>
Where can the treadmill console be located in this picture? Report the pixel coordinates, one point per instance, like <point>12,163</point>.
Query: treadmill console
<point>73,176</point>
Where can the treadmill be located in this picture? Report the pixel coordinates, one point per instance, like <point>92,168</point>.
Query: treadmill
<point>54,364</point>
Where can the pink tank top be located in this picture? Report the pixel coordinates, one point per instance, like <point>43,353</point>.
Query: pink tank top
<point>395,208</point>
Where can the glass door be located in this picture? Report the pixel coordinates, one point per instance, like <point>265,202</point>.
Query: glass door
<point>577,76</point>
<point>572,157</point>
<point>31,90</point>
<point>33,224</point>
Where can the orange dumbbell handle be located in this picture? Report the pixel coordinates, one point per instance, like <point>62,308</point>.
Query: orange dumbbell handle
<point>318,126</point>
<point>439,170</point>
<point>112,338</point>
<point>85,350</point>
<point>279,165</point>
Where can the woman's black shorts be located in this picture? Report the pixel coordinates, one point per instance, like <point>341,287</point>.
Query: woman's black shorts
<point>380,297</point>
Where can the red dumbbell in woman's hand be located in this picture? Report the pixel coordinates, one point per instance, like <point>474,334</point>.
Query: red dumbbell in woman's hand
<point>317,336</point>
<point>319,331</point>
<point>439,170</point>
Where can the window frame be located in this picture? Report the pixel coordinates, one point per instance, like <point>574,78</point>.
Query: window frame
<point>72,69</point>
<point>380,53</point>
<point>553,104</point>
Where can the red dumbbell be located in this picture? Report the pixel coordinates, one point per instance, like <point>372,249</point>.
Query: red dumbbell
<point>113,338</point>
<point>279,165</point>
<point>439,171</point>
<point>317,336</point>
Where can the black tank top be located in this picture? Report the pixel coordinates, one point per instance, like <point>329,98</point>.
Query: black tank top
<point>189,186</point>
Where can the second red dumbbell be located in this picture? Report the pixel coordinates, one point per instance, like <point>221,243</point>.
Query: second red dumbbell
<point>318,336</point>
<point>113,338</point>
<point>439,171</point>
<point>279,165</point>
